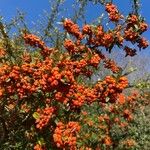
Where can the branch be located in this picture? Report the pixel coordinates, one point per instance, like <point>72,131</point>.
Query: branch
<point>6,39</point>
<point>136,6</point>
<point>4,129</point>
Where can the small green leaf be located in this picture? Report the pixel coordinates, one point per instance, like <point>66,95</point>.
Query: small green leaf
<point>56,121</point>
<point>68,36</point>
<point>41,141</point>
<point>136,27</point>
<point>36,115</point>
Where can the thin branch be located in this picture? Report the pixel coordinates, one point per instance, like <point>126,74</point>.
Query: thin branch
<point>136,6</point>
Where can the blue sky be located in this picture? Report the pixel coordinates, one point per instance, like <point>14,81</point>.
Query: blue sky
<point>35,8</point>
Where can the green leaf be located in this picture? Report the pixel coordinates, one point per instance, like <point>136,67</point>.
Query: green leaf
<point>68,36</point>
<point>36,115</point>
<point>56,121</point>
<point>41,141</point>
<point>136,27</point>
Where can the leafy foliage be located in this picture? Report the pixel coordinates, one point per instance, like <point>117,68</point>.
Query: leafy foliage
<point>48,100</point>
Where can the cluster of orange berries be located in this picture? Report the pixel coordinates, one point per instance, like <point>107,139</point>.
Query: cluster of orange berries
<point>127,114</point>
<point>44,117</point>
<point>129,51</point>
<point>107,39</point>
<point>35,41</point>
<point>135,27</point>
<point>74,48</point>
<point>107,140</point>
<point>65,135</point>
<point>76,96</point>
<point>121,98</point>
<point>110,64</point>
<point>8,75</point>
<point>70,46</point>
<point>104,117</point>
<point>78,67</point>
<point>39,147</point>
<point>2,53</point>
<point>113,12</point>
<point>15,81</point>
<point>130,35</point>
<point>83,95</point>
<point>72,28</point>
<point>87,30</point>
<point>102,38</point>
<point>142,43</point>
<point>133,20</point>
<point>110,88</point>
<point>95,60</point>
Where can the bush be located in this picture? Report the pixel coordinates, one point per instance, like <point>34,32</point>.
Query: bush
<point>48,100</point>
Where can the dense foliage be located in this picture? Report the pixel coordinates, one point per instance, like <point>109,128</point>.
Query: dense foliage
<point>48,100</point>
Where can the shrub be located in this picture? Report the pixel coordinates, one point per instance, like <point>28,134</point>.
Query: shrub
<point>47,99</point>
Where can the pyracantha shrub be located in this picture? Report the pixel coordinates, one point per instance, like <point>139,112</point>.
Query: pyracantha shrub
<point>48,98</point>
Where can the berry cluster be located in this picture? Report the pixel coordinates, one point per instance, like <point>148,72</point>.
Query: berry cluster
<point>44,117</point>
<point>65,135</point>
<point>113,12</point>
